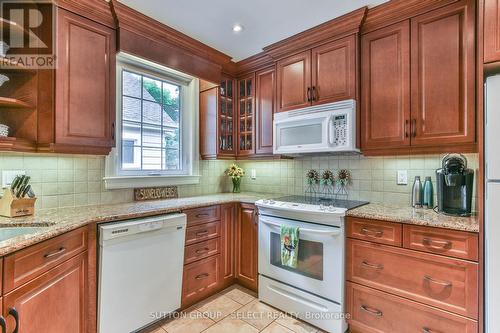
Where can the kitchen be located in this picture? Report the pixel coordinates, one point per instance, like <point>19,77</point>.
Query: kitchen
<point>187,167</point>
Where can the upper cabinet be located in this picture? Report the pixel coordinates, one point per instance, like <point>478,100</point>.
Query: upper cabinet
<point>324,74</point>
<point>265,81</point>
<point>246,115</point>
<point>491,31</point>
<point>438,112</point>
<point>85,76</point>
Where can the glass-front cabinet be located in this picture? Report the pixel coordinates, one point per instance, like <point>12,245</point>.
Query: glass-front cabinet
<point>246,116</point>
<point>226,123</point>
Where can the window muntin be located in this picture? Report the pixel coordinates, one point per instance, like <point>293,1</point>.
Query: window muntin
<point>151,120</point>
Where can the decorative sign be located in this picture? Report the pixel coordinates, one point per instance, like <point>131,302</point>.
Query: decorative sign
<point>155,193</point>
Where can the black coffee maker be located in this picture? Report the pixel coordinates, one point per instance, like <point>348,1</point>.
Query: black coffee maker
<point>454,186</point>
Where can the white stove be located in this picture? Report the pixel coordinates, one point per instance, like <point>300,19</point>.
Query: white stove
<point>314,290</point>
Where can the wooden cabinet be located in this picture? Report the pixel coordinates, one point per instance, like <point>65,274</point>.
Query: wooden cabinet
<point>438,112</point>
<point>385,87</point>
<point>410,278</point>
<point>443,76</point>
<point>334,71</point>
<point>217,120</point>
<point>84,116</point>
<point>56,301</point>
<point>491,31</point>
<point>294,82</point>
<point>247,247</point>
<point>200,280</point>
<point>324,74</point>
<point>264,110</point>
<point>228,226</point>
<point>246,116</point>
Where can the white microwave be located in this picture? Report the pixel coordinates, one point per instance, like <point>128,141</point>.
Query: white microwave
<point>316,129</point>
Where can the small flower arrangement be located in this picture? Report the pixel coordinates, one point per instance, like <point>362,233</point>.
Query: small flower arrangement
<point>327,178</point>
<point>312,177</point>
<point>235,172</point>
<point>344,177</point>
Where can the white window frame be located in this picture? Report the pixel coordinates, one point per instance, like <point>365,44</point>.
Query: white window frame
<point>115,177</point>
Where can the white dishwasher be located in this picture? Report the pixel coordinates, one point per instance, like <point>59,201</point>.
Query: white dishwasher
<point>140,271</point>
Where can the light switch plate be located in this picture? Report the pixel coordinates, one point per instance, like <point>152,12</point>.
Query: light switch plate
<point>253,174</point>
<point>9,175</point>
<point>402,177</point>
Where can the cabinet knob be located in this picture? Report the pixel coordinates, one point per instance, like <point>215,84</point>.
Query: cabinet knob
<point>13,312</point>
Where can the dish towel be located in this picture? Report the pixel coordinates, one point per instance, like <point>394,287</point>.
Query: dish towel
<point>289,237</point>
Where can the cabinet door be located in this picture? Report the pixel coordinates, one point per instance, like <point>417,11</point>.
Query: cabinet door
<point>246,116</point>
<point>209,100</point>
<point>264,111</point>
<point>491,30</point>
<point>443,76</point>
<point>226,119</point>
<point>85,76</point>
<point>294,82</point>
<point>334,71</point>
<point>385,87</point>
<point>246,238</point>
<point>54,302</point>
<point>228,224</point>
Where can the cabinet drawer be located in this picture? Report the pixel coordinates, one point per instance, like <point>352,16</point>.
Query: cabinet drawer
<point>197,233</point>
<point>450,284</point>
<point>375,311</point>
<point>201,250</point>
<point>202,215</point>
<point>23,266</point>
<point>458,244</point>
<point>200,278</point>
<point>374,231</point>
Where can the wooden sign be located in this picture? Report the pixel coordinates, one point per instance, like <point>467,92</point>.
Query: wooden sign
<point>155,193</point>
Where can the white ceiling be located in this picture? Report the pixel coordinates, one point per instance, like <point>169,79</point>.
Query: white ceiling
<point>264,21</point>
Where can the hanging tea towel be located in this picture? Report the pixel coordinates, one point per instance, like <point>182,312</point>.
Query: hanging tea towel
<point>289,237</point>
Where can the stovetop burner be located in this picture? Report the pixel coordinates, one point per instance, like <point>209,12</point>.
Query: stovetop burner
<point>340,203</point>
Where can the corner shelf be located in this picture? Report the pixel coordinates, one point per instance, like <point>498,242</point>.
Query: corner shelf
<point>7,102</point>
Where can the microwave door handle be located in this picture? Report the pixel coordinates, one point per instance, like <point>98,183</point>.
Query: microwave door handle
<point>312,231</point>
<point>330,130</point>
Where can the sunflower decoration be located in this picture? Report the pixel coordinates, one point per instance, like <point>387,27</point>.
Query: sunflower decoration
<point>344,177</point>
<point>327,178</point>
<point>312,177</point>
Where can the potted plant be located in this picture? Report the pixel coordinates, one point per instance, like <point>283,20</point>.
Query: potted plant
<point>235,172</point>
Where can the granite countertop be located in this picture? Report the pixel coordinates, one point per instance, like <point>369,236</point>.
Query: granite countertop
<point>418,216</point>
<point>53,222</point>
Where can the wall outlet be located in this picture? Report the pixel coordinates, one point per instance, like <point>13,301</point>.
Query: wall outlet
<point>9,175</point>
<point>402,177</point>
<point>253,174</point>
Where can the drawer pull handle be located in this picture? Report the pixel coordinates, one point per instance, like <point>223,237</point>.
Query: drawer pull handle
<point>372,233</point>
<point>428,330</point>
<point>202,215</point>
<point>200,251</point>
<point>440,282</point>
<point>438,244</point>
<point>3,323</point>
<point>202,233</point>
<point>13,312</point>
<point>55,253</point>
<point>374,266</point>
<point>202,276</point>
<point>372,311</point>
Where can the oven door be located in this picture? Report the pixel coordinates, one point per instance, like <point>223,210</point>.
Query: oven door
<point>320,267</point>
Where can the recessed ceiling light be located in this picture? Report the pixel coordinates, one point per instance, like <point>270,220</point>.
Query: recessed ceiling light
<point>237,28</point>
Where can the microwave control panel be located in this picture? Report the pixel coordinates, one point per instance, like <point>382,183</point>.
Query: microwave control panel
<point>340,130</point>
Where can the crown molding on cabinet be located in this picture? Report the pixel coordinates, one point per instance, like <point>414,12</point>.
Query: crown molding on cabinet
<point>256,62</point>
<point>398,10</point>
<point>96,10</point>
<point>334,29</point>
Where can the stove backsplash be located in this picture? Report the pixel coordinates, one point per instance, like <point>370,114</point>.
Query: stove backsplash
<point>373,178</point>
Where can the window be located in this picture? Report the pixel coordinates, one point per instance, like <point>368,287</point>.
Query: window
<point>157,126</point>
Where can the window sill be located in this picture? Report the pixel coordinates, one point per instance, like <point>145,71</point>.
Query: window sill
<point>119,182</point>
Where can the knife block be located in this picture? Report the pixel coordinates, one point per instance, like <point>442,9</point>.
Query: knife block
<point>11,206</point>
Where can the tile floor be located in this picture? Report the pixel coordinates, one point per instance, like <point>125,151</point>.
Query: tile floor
<point>233,310</point>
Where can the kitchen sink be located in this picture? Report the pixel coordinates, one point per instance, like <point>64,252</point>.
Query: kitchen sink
<point>11,232</point>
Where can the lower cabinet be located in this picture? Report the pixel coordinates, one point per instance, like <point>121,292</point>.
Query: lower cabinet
<point>54,302</point>
<point>247,247</point>
<point>228,225</point>
<point>200,279</point>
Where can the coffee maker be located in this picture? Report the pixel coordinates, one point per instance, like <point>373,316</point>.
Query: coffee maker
<point>454,186</point>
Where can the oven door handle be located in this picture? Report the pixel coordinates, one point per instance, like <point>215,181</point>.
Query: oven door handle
<point>307,230</point>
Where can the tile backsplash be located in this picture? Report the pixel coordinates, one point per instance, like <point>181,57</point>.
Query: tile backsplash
<point>75,180</point>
